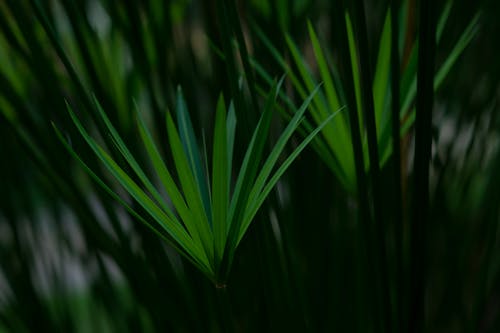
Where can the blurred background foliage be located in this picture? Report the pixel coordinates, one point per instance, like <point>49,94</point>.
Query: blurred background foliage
<point>73,260</point>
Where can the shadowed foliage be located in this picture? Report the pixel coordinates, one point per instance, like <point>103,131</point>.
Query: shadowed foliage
<point>147,182</point>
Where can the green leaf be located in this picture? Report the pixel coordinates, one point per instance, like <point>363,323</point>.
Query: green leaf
<point>192,192</point>
<point>188,140</point>
<point>117,140</point>
<point>464,40</point>
<point>331,93</point>
<point>355,68</point>
<point>278,148</point>
<point>166,179</point>
<point>195,260</point>
<point>230,130</point>
<point>252,210</point>
<point>467,36</point>
<point>337,132</point>
<point>381,78</point>
<point>248,171</point>
<point>177,232</point>
<point>220,179</point>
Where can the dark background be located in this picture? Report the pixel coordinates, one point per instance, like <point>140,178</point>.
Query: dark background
<point>72,260</point>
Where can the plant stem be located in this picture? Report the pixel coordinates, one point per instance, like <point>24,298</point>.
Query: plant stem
<point>378,227</point>
<point>396,156</point>
<point>225,310</point>
<point>362,187</point>
<point>424,104</point>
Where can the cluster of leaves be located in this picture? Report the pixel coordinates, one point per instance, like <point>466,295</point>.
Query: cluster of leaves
<point>335,146</point>
<point>212,218</point>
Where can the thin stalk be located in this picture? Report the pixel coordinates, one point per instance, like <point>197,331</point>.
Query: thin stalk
<point>225,310</point>
<point>232,71</point>
<point>369,115</point>
<point>353,120</point>
<point>396,155</point>
<point>410,32</point>
<point>423,135</point>
<point>236,25</point>
<point>362,189</point>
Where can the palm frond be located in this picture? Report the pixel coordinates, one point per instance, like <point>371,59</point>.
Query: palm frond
<point>206,222</point>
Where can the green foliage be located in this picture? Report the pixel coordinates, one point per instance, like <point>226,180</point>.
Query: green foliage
<point>335,149</point>
<point>217,216</point>
<point>207,223</point>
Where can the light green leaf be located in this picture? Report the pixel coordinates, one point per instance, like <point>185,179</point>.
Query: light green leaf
<point>177,232</point>
<point>191,189</point>
<point>196,260</point>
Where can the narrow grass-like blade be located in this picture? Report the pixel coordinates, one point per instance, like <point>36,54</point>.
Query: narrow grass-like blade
<point>230,131</point>
<point>278,148</point>
<point>281,61</point>
<point>127,155</point>
<point>195,260</point>
<point>443,19</point>
<point>220,180</point>
<point>332,141</point>
<point>250,163</point>
<point>166,179</point>
<point>331,93</point>
<point>177,232</point>
<point>462,43</point>
<point>245,59</point>
<point>381,78</point>
<point>460,46</point>
<point>320,145</point>
<point>162,171</point>
<point>246,176</point>
<point>190,146</point>
<point>191,189</point>
<point>251,211</point>
<point>337,131</point>
<point>320,111</point>
<point>355,69</point>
